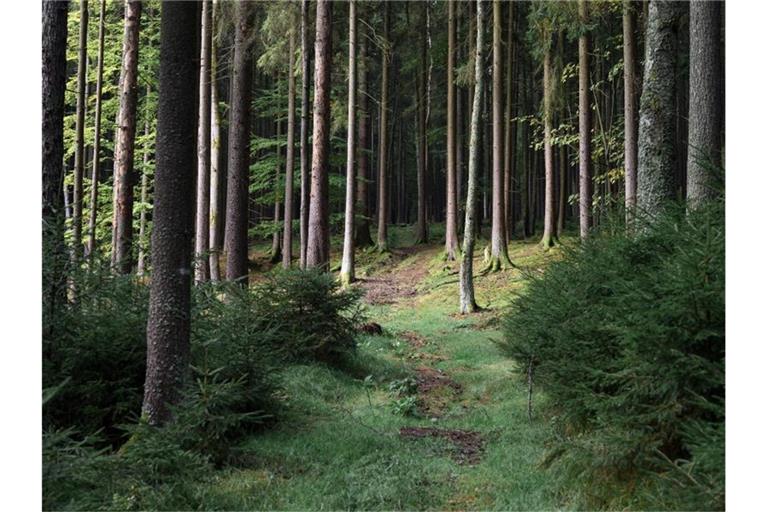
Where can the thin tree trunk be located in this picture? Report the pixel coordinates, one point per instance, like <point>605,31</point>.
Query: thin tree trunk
<point>77,196</point>
<point>168,324</point>
<point>421,236</point>
<point>563,164</point>
<point>289,152</point>
<point>348,256</point>
<point>363,230</point>
<point>656,137</point>
<point>550,235</point>
<point>706,110</point>
<point>141,263</point>
<point>304,136</point>
<point>509,126</point>
<point>94,206</point>
<point>630,106</point>
<point>318,247</point>
<point>381,234</point>
<point>202,216</point>
<point>236,228</point>
<point>585,152</point>
<point>499,256</point>
<point>451,196</point>
<point>122,223</point>
<point>214,232</point>
<point>276,234</point>
<point>467,302</point>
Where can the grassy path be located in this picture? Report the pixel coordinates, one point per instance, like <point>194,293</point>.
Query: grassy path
<point>429,416</point>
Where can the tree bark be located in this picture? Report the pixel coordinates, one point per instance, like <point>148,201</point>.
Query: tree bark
<point>202,215</point>
<point>348,256</point>
<point>585,151</point>
<point>303,135</point>
<point>363,229</point>
<point>276,234</point>
<point>549,237</point>
<point>656,136</point>
<point>77,196</point>
<point>467,302</point>
<point>509,133</point>
<point>499,256</point>
<point>94,203</point>
<point>421,236</point>
<point>318,246</point>
<point>122,220</point>
<point>629,22</point>
<point>168,322</point>
<point>289,152</point>
<point>383,202</point>
<point>451,196</point>
<point>236,228</point>
<point>707,108</point>
<point>214,232</point>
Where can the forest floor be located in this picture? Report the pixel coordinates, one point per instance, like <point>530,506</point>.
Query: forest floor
<point>430,415</point>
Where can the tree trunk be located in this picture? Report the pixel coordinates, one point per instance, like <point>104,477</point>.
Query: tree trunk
<point>122,220</point>
<point>707,109</point>
<point>656,137</point>
<point>381,234</point>
<point>509,133</point>
<point>236,228</point>
<point>289,152</point>
<point>214,232</point>
<point>630,106</point>
<point>141,263</point>
<point>363,229</point>
<point>94,203</point>
<point>168,323</point>
<point>451,196</point>
<point>318,246</point>
<point>421,236</point>
<point>202,215</point>
<point>348,256</point>
<point>499,256</point>
<point>276,235</point>
<point>303,135</point>
<point>467,302</point>
<point>77,196</point>
<point>585,151</point>
<point>549,237</point>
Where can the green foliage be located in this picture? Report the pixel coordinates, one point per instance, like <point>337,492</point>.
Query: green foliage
<point>627,338</point>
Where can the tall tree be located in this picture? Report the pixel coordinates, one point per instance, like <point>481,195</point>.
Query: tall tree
<point>585,122</point>
<point>629,22</point>
<point>214,233</point>
<point>510,126</point>
<point>550,234</point>
<point>202,272</point>
<point>348,255</point>
<point>275,251</point>
<point>467,302</point>
<point>122,219</point>
<point>77,196</point>
<point>289,155</point>
<point>499,256</point>
<point>236,227</point>
<point>94,204</point>
<point>421,235</point>
<point>169,297</point>
<point>304,136</point>
<point>318,246</point>
<point>363,229</point>
<point>141,261</point>
<point>383,183</point>
<point>451,197</point>
<point>656,137</point>
<point>707,108</point>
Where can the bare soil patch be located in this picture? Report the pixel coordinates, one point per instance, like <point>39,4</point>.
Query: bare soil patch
<point>468,446</point>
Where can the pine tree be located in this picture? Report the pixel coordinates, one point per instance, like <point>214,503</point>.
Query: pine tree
<point>348,257</point>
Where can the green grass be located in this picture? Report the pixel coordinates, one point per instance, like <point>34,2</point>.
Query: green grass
<point>338,444</point>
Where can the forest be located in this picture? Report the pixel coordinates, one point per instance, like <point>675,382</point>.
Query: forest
<point>383,255</point>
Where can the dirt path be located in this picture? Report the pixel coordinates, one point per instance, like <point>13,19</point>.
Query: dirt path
<point>399,281</point>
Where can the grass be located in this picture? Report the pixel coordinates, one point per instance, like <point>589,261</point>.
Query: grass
<point>338,446</point>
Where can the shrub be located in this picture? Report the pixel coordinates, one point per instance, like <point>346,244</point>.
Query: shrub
<point>627,338</point>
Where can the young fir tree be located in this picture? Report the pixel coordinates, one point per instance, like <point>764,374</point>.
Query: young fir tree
<point>318,246</point>
<point>467,302</point>
<point>236,227</point>
<point>348,256</point>
<point>122,218</point>
<point>168,324</point>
